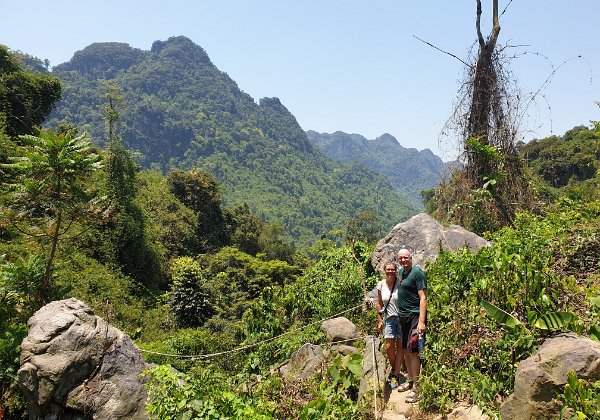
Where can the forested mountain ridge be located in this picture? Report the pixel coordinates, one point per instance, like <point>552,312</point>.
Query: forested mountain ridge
<point>181,111</point>
<point>409,170</point>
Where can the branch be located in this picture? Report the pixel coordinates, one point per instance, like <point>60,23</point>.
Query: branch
<point>25,232</point>
<point>478,25</point>
<point>495,28</point>
<point>504,11</point>
<point>362,277</point>
<point>68,238</point>
<point>445,52</point>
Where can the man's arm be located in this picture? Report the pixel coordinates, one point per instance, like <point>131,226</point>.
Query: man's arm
<point>422,309</point>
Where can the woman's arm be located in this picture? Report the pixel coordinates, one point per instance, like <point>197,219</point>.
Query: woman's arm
<point>379,307</point>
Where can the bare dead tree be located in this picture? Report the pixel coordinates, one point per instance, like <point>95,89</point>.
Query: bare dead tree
<point>492,184</point>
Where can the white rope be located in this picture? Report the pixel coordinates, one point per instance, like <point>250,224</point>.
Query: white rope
<point>249,346</point>
<point>376,379</point>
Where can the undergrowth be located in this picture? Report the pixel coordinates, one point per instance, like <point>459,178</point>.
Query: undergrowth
<point>535,268</point>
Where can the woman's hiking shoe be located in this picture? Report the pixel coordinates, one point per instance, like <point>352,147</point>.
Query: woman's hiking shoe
<point>412,398</point>
<point>393,381</point>
<point>405,386</point>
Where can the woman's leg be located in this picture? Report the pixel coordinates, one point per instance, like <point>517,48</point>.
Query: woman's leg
<point>399,356</point>
<point>390,348</point>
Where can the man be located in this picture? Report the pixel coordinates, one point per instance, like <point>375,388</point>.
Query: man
<point>412,299</point>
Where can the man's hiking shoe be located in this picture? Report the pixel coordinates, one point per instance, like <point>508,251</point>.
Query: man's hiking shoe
<point>405,386</point>
<point>393,380</point>
<point>412,398</point>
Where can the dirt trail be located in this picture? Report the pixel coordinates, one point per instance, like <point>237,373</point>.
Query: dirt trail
<point>395,406</point>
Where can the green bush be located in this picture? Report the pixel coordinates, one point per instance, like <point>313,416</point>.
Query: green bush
<point>528,274</point>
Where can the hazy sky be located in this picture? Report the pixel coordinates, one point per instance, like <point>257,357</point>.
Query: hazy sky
<point>353,66</point>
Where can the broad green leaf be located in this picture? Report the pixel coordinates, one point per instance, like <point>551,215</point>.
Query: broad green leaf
<point>531,317</point>
<point>554,320</point>
<point>594,332</point>
<point>334,373</point>
<point>499,315</point>
<point>354,364</point>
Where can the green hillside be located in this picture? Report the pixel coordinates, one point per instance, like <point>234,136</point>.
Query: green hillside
<point>566,165</point>
<point>408,170</point>
<point>180,111</point>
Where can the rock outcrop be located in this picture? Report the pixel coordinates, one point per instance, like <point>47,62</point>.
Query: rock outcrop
<point>424,236</point>
<point>74,365</point>
<point>374,367</point>
<point>542,377</point>
<point>304,362</point>
<point>340,329</point>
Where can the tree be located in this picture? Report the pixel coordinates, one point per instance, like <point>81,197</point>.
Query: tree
<point>364,227</point>
<point>191,300</point>
<point>274,243</point>
<point>49,192</point>
<point>246,229</point>
<point>26,99</point>
<point>199,191</point>
<point>491,187</point>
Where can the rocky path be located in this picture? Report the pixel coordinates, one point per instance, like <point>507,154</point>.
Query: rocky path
<point>395,406</point>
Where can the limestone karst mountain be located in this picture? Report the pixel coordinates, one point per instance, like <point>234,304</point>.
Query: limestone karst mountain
<point>180,110</point>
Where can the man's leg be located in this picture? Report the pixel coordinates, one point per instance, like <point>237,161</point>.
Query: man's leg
<point>413,365</point>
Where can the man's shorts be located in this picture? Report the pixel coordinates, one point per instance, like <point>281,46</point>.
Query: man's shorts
<point>405,332</point>
<point>391,328</point>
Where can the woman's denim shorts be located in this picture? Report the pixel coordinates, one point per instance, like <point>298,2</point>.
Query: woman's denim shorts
<point>391,327</point>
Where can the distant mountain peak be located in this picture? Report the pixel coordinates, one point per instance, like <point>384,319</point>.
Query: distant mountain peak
<point>103,58</point>
<point>408,170</point>
<point>181,48</point>
<point>387,139</point>
<point>275,104</point>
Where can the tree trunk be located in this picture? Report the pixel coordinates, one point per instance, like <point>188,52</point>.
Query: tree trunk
<point>484,87</point>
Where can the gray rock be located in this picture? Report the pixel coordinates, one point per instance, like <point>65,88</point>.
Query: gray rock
<point>540,378</point>
<point>373,372</point>
<point>76,366</point>
<point>467,412</point>
<point>424,236</point>
<point>304,362</point>
<point>340,329</point>
<point>343,350</point>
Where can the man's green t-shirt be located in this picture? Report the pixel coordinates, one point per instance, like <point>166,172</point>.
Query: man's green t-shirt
<point>408,296</point>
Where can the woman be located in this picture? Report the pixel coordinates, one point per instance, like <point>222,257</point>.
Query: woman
<point>387,317</point>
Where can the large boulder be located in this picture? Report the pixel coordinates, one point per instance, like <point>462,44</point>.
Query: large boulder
<point>424,237</point>
<point>542,377</point>
<point>74,365</point>
<point>340,329</point>
<point>304,362</point>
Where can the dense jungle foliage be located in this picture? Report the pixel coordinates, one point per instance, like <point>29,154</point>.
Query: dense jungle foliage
<point>180,111</point>
<point>162,258</point>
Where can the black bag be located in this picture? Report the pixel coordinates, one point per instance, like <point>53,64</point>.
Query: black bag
<point>405,317</point>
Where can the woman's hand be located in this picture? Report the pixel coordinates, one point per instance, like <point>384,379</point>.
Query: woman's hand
<point>379,325</point>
